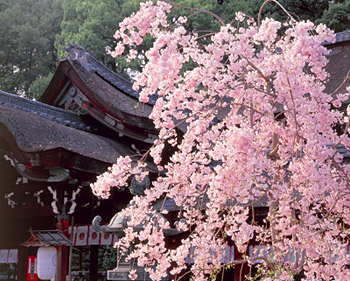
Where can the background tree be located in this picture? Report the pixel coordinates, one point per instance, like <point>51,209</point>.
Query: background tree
<point>27,50</point>
<point>91,24</point>
<point>34,33</point>
<point>259,128</point>
<point>337,16</point>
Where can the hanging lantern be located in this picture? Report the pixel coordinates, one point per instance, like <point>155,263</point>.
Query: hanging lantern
<point>47,259</point>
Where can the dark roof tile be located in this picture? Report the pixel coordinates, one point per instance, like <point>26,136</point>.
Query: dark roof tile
<point>33,133</point>
<point>339,38</point>
<point>46,111</point>
<point>78,53</point>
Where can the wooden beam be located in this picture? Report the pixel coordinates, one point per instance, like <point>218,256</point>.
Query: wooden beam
<point>33,211</point>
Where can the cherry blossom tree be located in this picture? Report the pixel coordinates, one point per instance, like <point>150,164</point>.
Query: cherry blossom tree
<point>256,127</point>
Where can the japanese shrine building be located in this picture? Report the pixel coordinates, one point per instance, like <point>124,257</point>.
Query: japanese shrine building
<point>50,152</point>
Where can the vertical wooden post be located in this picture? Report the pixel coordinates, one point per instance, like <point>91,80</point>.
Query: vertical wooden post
<point>69,276</point>
<point>22,263</point>
<point>59,263</point>
<point>62,251</point>
<point>93,262</point>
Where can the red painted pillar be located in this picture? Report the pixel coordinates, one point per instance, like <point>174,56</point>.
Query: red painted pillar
<point>62,251</point>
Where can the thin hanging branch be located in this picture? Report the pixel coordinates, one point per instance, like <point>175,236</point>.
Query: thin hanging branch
<point>198,11</point>
<point>267,1</point>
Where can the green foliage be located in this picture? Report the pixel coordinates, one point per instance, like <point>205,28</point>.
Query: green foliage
<point>334,14</point>
<point>27,29</point>
<point>226,11</point>
<point>337,16</point>
<point>35,32</point>
<point>304,9</point>
<point>107,257</point>
<point>81,259</point>
<point>39,85</point>
<point>90,24</point>
<point>8,271</point>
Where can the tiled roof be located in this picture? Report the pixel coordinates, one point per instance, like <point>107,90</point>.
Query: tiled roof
<point>75,52</point>
<point>103,91</point>
<point>35,133</point>
<point>58,115</point>
<point>39,135</point>
<point>340,37</point>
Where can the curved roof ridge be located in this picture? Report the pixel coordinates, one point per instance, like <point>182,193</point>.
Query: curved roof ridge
<point>78,53</point>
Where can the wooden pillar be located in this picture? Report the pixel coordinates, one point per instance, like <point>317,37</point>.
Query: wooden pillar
<point>59,264</point>
<point>62,251</point>
<point>22,263</point>
<point>93,262</point>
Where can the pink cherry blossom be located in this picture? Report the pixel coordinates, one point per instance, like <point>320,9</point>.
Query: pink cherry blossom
<point>257,129</point>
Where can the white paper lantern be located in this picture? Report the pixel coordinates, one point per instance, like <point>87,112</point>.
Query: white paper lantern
<point>47,259</point>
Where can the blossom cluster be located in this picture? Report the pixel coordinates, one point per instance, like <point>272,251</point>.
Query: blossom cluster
<point>258,128</point>
<point>117,176</point>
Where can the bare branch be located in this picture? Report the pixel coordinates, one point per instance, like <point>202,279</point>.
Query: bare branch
<point>275,145</point>
<point>267,1</point>
<point>342,84</point>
